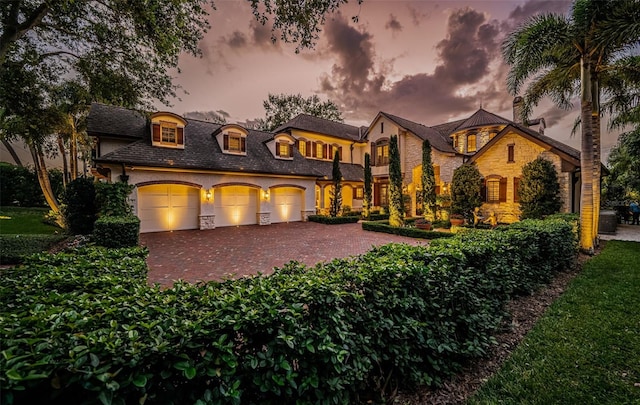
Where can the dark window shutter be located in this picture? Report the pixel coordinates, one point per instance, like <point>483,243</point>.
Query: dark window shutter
<point>437,190</point>
<point>180,136</point>
<point>308,151</point>
<point>277,148</point>
<point>156,132</point>
<point>243,144</point>
<point>483,190</point>
<point>225,142</point>
<point>290,150</point>
<point>340,152</point>
<point>516,184</point>
<point>503,189</point>
<point>373,154</point>
<point>297,144</point>
<point>313,149</point>
<point>325,148</point>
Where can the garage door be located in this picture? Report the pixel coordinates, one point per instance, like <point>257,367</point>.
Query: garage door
<point>287,204</point>
<point>168,207</point>
<point>236,205</point>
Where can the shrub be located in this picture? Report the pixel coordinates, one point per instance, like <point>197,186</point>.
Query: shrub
<point>328,220</point>
<point>111,199</point>
<point>383,226</point>
<point>14,248</point>
<point>85,327</point>
<point>117,232</point>
<point>465,190</point>
<point>19,185</point>
<point>80,210</point>
<point>539,189</point>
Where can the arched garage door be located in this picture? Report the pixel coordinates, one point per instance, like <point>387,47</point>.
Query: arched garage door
<point>236,205</point>
<point>168,207</point>
<point>287,204</point>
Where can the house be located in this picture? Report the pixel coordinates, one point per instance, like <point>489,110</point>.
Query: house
<point>192,174</point>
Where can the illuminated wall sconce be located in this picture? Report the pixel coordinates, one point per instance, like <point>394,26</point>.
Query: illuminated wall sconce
<point>208,196</point>
<point>265,195</point>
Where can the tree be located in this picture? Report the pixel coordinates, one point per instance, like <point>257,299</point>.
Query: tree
<point>368,183</point>
<point>396,206</point>
<point>281,108</point>
<point>465,190</point>
<point>562,56</point>
<point>217,117</point>
<point>623,181</point>
<point>335,195</point>
<point>428,183</point>
<point>539,189</point>
<point>122,52</point>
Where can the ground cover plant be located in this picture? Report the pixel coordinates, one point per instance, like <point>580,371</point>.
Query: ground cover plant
<point>412,232</point>
<point>586,348</point>
<point>85,327</point>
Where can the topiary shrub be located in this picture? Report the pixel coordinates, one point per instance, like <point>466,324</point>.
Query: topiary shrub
<point>111,198</point>
<point>539,189</point>
<point>465,190</point>
<point>117,232</point>
<point>328,220</point>
<point>80,209</point>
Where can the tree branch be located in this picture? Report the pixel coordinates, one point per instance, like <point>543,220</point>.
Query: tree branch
<point>12,35</point>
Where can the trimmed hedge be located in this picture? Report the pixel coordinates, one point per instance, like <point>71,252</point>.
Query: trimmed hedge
<point>383,226</point>
<point>13,248</point>
<point>327,220</point>
<point>117,232</point>
<point>351,330</point>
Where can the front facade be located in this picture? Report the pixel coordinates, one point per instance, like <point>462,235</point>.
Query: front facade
<point>191,174</point>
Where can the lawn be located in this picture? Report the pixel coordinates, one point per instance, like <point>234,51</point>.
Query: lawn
<point>23,220</point>
<point>586,348</point>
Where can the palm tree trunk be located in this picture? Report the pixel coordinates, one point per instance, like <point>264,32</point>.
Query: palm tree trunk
<point>12,152</point>
<point>73,148</point>
<point>43,179</point>
<point>595,117</point>
<point>586,161</point>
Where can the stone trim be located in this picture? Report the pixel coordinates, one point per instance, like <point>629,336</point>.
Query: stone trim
<point>306,213</point>
<point>207,222</point>
<point>264,218</point>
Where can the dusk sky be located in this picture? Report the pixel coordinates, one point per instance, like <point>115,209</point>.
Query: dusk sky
<point>427,61</point>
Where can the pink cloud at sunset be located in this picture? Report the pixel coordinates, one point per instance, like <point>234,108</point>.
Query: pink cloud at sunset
<point>427,61</point>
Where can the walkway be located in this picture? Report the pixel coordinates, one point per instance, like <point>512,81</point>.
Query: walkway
<point>236,251</point>
<point>624,232</point>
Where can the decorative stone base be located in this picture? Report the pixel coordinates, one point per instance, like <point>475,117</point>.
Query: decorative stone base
<point>264,218</point>
<point>207,222</point>
<point>306,213</point>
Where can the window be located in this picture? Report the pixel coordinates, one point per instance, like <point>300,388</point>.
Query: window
<point>320,150</point>
<point>302,147</point>
<point>359,193</point>
<point>493,190</point>
<point>516,192</point>
<point>382,154</point>
<point>234,142</point>
<point>168,132</point>
<point>382,127</point>
<point>511,154</point>
<point>471,143</point>
<point>456,143</point>
<point>384,194</point>
<point>283,149</point>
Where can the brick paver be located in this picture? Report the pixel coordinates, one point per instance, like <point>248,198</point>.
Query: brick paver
<point>235,251</point>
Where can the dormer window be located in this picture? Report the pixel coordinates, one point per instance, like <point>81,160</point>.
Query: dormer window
<point>284,149</point>
<point>282,146</point>
<point>232,139</point>
<point>471,143</point>
<point>167,130</point>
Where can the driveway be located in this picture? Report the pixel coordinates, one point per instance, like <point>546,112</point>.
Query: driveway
<point>236,251</point>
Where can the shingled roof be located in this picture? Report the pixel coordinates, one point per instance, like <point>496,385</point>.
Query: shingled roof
<point>310,123</point>
<point>436,139</point>
<point>201,150</point>
<point>482,118</point>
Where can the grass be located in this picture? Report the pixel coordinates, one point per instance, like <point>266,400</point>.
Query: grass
<point>586,348</point>
<point>25,221</point>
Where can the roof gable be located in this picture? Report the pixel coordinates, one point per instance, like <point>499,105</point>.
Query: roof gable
<point>436,139</point>
<point>322,126</point>
<point>482,118</point>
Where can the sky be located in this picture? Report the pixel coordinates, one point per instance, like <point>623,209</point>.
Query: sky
<point>427,61</point>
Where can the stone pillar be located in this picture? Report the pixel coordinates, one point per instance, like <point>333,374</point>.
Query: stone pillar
<point>264,218</point>
<point>207,222</point>
<point>306,213</point>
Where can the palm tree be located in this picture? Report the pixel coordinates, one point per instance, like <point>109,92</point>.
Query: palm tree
<point>561,56</point>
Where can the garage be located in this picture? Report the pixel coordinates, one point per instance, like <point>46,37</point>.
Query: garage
<point>236,205</point>
<point>168,207</point>
<point>287,204</point>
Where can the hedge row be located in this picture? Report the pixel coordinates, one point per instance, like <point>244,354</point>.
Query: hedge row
<point>325,219</point>
<point>116,231</point>
<point>341,332</point>
<point>383,226</point>
<point>13,248</point>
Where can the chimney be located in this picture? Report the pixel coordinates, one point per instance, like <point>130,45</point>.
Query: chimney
<point>517,110</point>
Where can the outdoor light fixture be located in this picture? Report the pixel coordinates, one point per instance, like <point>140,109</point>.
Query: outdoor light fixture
<point>266,195</point>
<point>208,195</point>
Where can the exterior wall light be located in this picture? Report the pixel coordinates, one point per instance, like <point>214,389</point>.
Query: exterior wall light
<point>208,195</point>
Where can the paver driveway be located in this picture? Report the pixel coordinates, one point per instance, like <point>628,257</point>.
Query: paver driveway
<point>236,251</point>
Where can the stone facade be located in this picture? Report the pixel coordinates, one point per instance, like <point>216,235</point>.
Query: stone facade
<point>264,218</point>
<point>207,222</point>
<point>306,213</point>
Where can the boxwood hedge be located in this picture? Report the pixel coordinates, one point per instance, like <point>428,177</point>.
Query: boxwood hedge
<point>85,327</point>
<point>324,219</point>
<point>383,226</point>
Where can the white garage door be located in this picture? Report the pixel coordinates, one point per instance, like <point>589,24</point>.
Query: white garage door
<point>236,205</point>
<point>287,204</point>
<point>168,207</point>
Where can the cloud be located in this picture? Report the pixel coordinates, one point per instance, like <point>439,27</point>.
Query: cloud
<point>417,16</point>
<point>262,36</point>
<point>535,7</point>
<point>393,24</point>
<point>361,84</point>
<point>238,40</point>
